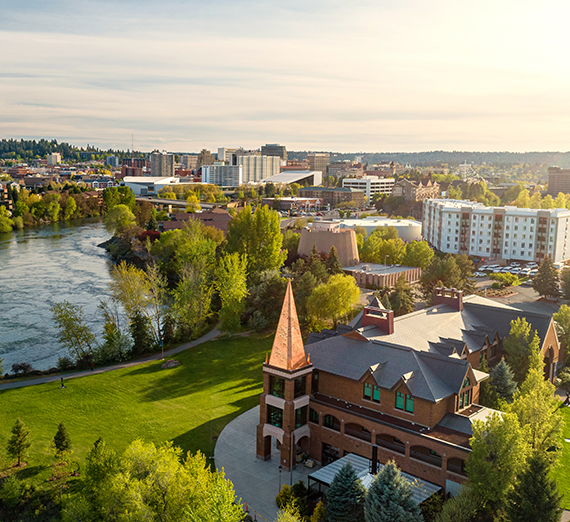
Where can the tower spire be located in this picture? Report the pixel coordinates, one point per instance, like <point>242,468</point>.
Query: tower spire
<point>288,351</point>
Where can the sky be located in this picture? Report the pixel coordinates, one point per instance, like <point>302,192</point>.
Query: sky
<point>346,76</point>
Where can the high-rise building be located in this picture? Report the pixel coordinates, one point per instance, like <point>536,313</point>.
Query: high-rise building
<point>256,168</point>
<point>205,158</point>
<point>162,164</point>
<point>273,149</point>
<point>510,233</point>
<point>112,161</point>
<point>558,181</point>
<point>222,175</point>
<point>225,154</point>
<point>54,158</point>
<point>189,161</point>
<point>319,161</point>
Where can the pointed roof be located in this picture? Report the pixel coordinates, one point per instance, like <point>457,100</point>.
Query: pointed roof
<point>288,351</point>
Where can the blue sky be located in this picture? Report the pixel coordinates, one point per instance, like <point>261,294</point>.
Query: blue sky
<point>384,75</point>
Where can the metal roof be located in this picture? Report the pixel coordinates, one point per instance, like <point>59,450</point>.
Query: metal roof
<point>421,489</point>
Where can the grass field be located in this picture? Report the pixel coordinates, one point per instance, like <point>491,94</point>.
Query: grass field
<point>562,472</point>
<point>216,381</point>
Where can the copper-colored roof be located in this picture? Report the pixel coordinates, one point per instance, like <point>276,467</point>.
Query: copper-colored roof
<point>288,351</point>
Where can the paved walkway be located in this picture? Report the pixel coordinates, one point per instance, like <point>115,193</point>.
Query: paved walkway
<point>57,377</point>
<point>256,482</point>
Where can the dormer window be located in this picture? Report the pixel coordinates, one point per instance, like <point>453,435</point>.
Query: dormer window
<point>404,402</point>
<point>371,392</point>
<point>465,397</point>
<point>466,383</point>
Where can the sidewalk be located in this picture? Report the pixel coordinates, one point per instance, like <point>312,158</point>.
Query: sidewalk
<point>127,364</point>
<point>255,481</point>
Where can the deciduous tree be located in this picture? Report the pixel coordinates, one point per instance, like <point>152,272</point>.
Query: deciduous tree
<point>401,298</point>
<point>73,333</point>
<point>498,454</point>
<point>334,299</point>
<point>119,219</point>
<point>230,283</point>
<point>519,345</point>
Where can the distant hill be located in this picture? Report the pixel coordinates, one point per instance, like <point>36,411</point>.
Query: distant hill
<point>452,158</point>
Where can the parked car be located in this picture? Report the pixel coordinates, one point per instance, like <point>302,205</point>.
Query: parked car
<point>515,270</point>
<point>533,272</point>
<point>524,272</point>
<point>515,264</point>
<point>480,274</point>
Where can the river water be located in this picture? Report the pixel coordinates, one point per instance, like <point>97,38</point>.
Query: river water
<point>38,267</point>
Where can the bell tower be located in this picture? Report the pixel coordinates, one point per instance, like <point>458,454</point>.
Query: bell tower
<point>284,403</point>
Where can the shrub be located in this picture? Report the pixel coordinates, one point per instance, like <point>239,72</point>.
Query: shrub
<point>22,367</point>
<point>64,363</point>
<point>257,322</point>
<point>284,497</point>
<point>11,492</point>
<point>496,285</point>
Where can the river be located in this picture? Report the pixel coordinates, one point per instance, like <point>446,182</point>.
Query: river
<point>38,267</point>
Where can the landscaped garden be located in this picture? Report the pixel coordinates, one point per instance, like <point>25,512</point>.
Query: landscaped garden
<point>216,381</point>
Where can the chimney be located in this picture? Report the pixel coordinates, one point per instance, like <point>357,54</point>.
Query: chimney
<point>383,319</point>
<point>374,464</point>
<point>449,296</point>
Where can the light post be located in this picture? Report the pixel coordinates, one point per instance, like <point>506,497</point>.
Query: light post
<point>280,470</point>
<point>385,259</point>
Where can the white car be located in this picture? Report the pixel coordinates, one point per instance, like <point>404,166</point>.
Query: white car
<point>515,270</point>
<point>480,274</point>
<point>515,264</point>
<point>531,265</point>
<point>506,270</point>
<point>533,272</point>
<point>524,272</point>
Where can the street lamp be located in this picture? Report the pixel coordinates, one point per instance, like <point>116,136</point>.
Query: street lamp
<point>385,258</point>
<point>280,470</point>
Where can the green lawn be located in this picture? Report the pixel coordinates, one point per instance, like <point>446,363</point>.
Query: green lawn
<point>562,472</point>
<point>216,381</point>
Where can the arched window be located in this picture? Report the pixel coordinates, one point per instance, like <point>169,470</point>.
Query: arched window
<point>331,422</point>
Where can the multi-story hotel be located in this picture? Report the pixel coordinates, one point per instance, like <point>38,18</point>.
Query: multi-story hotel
<point>256,168</point>
<point>223,175</point>
<point>371,185</point>
<point>510,233</point>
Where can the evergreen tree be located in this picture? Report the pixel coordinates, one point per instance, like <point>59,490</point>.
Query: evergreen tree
<point>546,281</point>
<point>141,333</point>
<point>152,222</point>
<point>535,496</point>
<point>389,498</point>
<point>345,497</point>
<point>319,513</point>
<point>61,441</point>
<point>19,442</point>
<point>502,380</point>
<point>401,297</point>
<point>487,393</point>
<point>332,263</point>
<point>565,282</point>
<point>385,301</point>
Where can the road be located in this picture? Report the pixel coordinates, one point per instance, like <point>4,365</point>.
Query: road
<point>57,377</point>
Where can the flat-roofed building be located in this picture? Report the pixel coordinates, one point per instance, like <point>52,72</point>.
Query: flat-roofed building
<point>334,195</point>
<point>273,149</point>
<point>371,185</point>
<point>509,233</point>
<point>558,181</point>
<point>162,164</point>
<point>319,161</point>
<point>223,175</point>
<point>257,168</point>
<point>408,229</point>
<point>54,158</point>
<point>371,275</point>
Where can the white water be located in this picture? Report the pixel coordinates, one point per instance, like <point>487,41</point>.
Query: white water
<point>38,267</point>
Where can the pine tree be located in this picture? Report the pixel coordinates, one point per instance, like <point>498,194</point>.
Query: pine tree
<point>389,498</point>
<point>61,441</point>
<point>152,223</point>
<point>401,297</point>
<point>345,497</point>
<point>546,281</point>
<point>487,393</point>
<point>332,263</point>
<point>141,334</point>
<point>19,443</point>
<point>385,301</point>
<point>535,495</point>
<point>502,380</point>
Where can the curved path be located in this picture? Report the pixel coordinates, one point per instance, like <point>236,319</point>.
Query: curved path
<point>127,364</point>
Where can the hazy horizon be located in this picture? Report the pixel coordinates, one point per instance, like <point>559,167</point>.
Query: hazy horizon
<point>383,75</point>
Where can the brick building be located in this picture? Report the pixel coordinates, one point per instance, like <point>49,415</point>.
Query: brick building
<point>334,196</point>
<point>558,181</point>
<point>415,190</point>
<point>408,385</point>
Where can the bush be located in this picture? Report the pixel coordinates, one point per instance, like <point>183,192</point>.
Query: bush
<point>496,285</point>
<point>11,492</point>
<point>284,497</point>
<point>22,367</point>
<point>257,322</point>
<point>84,361</point>
<point>64,363</point>
<point>505,279</point>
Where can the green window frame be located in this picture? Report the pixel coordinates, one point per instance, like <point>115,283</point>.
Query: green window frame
<point>466,382</point>
<point>313,416</point>
<point>409,404</point>
<point>376,393</point>
<point>275,416</point>
<point>367,391</point>
<point>399,401</point>
<point>277,386</point>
